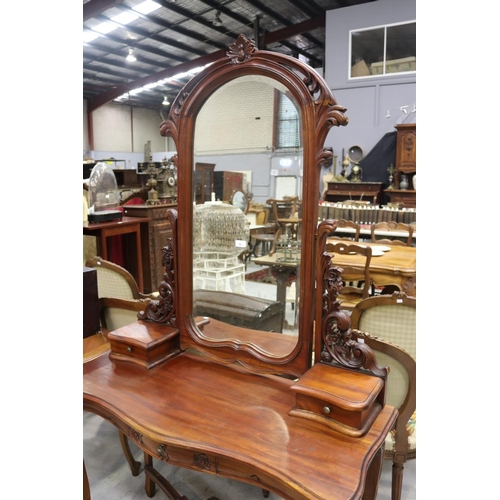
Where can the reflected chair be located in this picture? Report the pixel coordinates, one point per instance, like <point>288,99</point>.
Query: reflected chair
<point>115,281</point>
<point>343,223</point>
<point>356,278</point>
<point>263,236</point>
<point>396,239</point>
<point>393,319</point>
<point>287,218</point>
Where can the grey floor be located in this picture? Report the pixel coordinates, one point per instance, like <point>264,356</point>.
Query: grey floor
<point>110,477</point>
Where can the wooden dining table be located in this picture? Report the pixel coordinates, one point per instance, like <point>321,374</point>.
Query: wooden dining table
<point>396,266</point>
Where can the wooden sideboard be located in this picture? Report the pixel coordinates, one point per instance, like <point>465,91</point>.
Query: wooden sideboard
<point>159,231</point>
<point>406,165</point>
<point>341,191</point>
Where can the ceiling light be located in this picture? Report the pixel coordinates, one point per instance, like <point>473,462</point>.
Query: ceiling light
<point>217,21</point>
<point>147,7</point>
<point>131,57</point>
<point>165,101</point>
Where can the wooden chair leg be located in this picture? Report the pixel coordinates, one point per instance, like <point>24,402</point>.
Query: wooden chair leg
<point>397,481</point>
<point>135,466</point>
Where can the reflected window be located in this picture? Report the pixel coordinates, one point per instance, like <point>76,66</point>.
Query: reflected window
<point>383,50</point>
<point>287,123</point>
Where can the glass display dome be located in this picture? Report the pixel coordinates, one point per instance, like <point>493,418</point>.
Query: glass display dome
<point>103,189</point>
<point>104,197</point>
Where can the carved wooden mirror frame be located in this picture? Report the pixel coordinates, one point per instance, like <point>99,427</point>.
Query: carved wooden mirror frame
<point>319,112</point>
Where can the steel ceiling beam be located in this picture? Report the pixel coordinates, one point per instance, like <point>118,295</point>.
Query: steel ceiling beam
<point>269,37</point>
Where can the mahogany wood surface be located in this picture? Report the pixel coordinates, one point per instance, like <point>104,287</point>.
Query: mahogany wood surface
<point>219,419</point>
<point>217,398</point>
<point>398,267</point>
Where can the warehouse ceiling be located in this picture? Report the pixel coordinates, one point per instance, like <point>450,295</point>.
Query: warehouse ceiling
<point>176,39</point>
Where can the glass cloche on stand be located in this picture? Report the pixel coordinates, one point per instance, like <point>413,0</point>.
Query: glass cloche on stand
<point>104,197</point>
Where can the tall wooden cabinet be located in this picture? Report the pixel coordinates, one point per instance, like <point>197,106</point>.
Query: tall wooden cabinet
<point>159,231</point>
<point>226,182</point>
<point>406,165</point>
<point>203,181</point>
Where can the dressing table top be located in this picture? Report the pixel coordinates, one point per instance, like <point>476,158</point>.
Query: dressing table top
<point>223,420</point>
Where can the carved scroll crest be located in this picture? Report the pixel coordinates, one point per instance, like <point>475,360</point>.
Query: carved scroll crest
<point>162,309</point>
<point>337,344</point>
<point>241,50</point>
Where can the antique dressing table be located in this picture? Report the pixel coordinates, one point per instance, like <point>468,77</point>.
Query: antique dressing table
<point>303,416</point>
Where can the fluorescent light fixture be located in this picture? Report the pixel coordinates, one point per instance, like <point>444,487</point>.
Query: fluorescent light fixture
<point>147,7</point>
<point>161,82</point>
<point>196,70</point>
<point>131,57</point>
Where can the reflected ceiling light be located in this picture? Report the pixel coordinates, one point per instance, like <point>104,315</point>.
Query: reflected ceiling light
<point>165,101</point>
<point>131,57</point>
<point>217,21</point>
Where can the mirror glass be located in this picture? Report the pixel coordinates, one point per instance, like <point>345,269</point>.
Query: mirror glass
<point>246,267</point>
<point>239,199</point>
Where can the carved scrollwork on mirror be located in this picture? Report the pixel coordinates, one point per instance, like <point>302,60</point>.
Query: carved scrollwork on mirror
<point>263,351</point>
<point>334,344</point>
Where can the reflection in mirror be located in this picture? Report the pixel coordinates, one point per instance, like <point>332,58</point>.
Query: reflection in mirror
<point>247,256</point>
<point>239,199</point>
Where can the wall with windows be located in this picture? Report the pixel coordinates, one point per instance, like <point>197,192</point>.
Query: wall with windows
<point>367,99</point>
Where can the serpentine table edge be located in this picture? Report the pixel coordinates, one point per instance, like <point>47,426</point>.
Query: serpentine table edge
<point>221,419</point>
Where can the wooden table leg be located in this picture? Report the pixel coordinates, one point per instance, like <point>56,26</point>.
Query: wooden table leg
<point>373,475</point>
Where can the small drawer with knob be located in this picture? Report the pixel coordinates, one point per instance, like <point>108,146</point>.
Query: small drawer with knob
<point>344,400</point>
<point>144,343</point>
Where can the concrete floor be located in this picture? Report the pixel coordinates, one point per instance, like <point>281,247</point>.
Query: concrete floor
<point>110,477</point>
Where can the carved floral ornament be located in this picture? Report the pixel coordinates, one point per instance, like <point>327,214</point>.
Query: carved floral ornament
<point>241,50</point>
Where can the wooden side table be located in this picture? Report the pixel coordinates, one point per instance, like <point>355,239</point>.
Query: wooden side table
<point>160,230</point>
<point>130,227</point>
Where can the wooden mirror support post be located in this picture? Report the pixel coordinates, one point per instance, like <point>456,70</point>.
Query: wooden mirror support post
<point>255,406</point>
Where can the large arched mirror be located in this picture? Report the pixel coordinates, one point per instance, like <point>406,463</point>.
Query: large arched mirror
<point>233,104</point>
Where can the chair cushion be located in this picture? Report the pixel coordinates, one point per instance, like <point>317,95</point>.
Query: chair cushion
<point>411,429</point>
<point>399,330</point>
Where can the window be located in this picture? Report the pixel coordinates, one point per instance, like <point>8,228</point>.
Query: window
<point>287,123</point>
<point>383,50</point>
